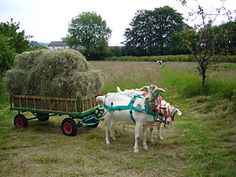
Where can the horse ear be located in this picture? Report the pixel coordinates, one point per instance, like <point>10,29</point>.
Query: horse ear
<point>179,112</point>
<point>145,88</point>
<point>152,87</point>
<point>118,90</point>
<point>161,90</point>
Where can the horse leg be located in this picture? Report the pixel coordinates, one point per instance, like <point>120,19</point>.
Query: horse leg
<point>123,126</point>
<point>159,131</point>
<point>112,129</point>
<point>137,136</point>
<point>145,137</point>
<point>107,125</point>
<point>151,133</point>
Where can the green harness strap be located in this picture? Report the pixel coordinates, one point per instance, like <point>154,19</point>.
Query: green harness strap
<point>130,107</point>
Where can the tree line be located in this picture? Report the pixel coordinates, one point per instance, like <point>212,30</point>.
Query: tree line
<point>152,32</point>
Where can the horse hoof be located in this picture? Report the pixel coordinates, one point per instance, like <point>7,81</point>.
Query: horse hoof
<point>108,142</point>
<point>145,148</point>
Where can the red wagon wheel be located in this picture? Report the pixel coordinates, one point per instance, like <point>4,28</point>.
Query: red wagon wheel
<point>20,121</point>
<point>69,127</point>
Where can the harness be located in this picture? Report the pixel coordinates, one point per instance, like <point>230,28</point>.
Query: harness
<point>131,107</point>
<point>166,111</point>
<point>157,114</point>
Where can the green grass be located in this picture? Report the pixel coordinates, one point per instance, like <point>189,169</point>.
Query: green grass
<point>208,145</point>
<point>188,83</point>
<point>200,143</point>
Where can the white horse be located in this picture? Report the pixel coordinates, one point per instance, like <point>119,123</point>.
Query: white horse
<point>166,111</point>
<point>119,107</point>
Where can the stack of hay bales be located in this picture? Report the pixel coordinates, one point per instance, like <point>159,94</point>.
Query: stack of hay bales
<point>59,73</point>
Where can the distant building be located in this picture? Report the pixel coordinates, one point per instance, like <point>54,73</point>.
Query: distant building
<point>55,45</point>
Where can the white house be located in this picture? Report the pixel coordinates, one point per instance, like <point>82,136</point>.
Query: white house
<point>55,45</point>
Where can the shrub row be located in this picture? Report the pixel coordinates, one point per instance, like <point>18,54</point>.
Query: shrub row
<point>177,58</point>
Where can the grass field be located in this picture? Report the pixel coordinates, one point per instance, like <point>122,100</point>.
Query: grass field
<point>200,143</point>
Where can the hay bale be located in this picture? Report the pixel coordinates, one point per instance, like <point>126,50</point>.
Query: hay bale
<point>87,83</point>
<point>77,84</point>
<point>27,60</point>
<point>60,73</point>
<point>62,62</point>
<point>16,82</point>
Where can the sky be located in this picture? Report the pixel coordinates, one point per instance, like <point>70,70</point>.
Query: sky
<point>48,20</point>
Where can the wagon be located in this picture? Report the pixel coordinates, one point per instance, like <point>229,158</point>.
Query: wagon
<point>80,112</point>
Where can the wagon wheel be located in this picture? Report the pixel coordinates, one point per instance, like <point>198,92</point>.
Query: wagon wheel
<point>20,121</point>
<point>42,117</point>
<point>69,127</point>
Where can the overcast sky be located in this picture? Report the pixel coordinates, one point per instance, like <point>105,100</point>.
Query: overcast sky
<point>48,20</point>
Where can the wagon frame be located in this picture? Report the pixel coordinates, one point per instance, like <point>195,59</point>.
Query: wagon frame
<point>84,109</point>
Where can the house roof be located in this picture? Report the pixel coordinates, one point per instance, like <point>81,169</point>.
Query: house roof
<point>57,44</point>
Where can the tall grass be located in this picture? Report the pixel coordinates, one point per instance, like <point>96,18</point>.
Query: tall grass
<point>127,75</point>
<point>188,83</point>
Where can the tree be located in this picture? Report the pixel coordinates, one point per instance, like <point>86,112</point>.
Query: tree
<point>177,44</point>
<point>7,54</point>
<point>34,45</point>
<point>12,41</point>
<point>89,34</point>
<point>115,51</point>
<point>203,38</point>
<point>17,39</point>
<point>151,31</point>
<point>226,38</point>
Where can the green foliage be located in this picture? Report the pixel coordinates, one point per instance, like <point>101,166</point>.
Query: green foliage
<point>12,41</point>
<point>151,31</point>
<point>89,34</point>
<point>7,54</point>
<point>3,93</point>
<point>177,44</point>
<point>177,58</point>
<point>116,51</point>
<point>225,38</point>
<point>36,46</point>
<point>17,39</point>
